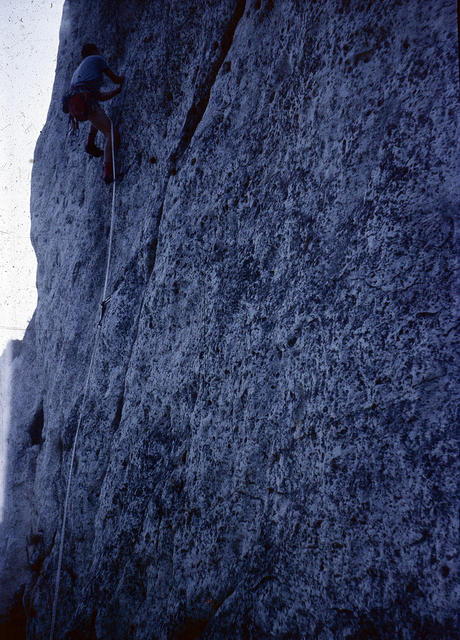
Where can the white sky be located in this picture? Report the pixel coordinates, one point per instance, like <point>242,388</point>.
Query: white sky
<point>29,34</point>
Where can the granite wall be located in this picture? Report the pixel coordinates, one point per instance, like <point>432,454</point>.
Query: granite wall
<point>267,449</point>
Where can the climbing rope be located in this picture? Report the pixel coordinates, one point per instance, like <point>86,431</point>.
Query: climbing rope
<point>104,302</point>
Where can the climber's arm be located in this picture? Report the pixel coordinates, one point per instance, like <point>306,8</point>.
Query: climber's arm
<point>106,95</point>
<point>102,96</point>
<point>113,76</point>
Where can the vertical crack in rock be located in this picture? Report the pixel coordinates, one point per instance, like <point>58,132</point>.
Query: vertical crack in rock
<point>36,426</point>
<point>152,244</point>
<point>201,98</point>
<point>150,248</point>
<point>121,400</point>
<point>193,118</point>
<point>119,411</point>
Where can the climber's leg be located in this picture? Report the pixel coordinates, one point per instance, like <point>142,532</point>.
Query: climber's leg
<point>92,134</point>
<point>101,121</point>
<point>91,143</point>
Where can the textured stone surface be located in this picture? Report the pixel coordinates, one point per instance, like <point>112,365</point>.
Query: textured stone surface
<point>268,446</point>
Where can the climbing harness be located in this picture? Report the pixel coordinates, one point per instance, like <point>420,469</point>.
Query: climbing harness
<point>104,301</point>
<point>78,103</point>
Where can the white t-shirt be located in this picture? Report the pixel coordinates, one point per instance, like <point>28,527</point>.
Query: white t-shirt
<point>89,72</point>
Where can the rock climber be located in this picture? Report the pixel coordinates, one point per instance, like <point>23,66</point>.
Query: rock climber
<point>82,102</point>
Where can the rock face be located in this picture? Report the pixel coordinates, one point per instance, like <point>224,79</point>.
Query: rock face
<point>267,446</point>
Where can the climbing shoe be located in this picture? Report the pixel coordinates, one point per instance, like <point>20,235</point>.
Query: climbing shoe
<point>94,151</point>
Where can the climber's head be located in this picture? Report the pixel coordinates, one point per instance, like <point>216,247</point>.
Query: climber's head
<point>89,49</point>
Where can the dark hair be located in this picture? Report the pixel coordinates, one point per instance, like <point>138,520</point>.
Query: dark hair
<point>89,49</point>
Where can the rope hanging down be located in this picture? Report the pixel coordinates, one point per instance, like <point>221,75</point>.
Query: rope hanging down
<point>104,302</point>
